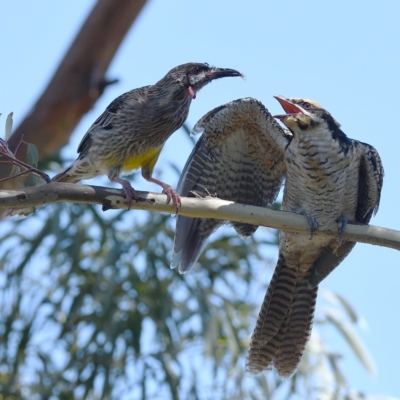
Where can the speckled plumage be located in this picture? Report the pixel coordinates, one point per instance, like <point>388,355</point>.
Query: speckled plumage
<point>134,128</point>
<point>329,178</point>
<point>237,159</point>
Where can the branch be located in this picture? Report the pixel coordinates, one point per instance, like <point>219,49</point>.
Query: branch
<point>79,80</point>
<point>55,192</point>
<point>28,168</point>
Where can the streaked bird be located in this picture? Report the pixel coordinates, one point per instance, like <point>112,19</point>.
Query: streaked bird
<point>328,178</point>
<point>133,129</point>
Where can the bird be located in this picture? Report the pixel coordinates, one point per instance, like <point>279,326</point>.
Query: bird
<point>133,129</point>
<point>238,159</point>
<point>328,178</point>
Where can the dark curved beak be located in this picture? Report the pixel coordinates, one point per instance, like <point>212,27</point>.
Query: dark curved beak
<point>216,73</point>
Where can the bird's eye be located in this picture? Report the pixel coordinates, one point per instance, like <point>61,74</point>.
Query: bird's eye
<point>196,70</point>
<point>306,105</point>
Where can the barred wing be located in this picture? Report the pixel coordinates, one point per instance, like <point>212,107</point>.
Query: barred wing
<point>239,158</point>
<point>369,194</point>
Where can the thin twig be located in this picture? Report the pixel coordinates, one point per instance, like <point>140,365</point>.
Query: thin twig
<point>15,176</point>
<point>21,140</point>
<point>29,169</point>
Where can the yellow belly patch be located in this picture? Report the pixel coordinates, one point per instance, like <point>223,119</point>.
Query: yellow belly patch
<point>149,158</point>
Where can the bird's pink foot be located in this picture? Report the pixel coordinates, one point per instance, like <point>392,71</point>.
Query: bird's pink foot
<point>130,192</point>
<point>171,193</point>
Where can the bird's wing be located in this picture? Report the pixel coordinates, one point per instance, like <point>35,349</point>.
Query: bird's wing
<point>369,194</point>
<point>239,158</point>
<point>370,183</point>
<point>105,120</point>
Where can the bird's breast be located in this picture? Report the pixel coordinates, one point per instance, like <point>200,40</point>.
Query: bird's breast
<point>149,157</point>
<point>321,181</point>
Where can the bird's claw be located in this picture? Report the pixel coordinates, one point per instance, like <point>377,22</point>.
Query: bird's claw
<point>172,195</point>
<point>209,194</point>
<point>342,224</point>
<point>130,192</point>
<point>312,226</point>
<point>167,189</point>
<point>193,193</point>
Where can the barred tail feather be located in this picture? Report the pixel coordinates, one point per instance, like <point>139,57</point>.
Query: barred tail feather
<point>284,323</point>
<point>297,330</point>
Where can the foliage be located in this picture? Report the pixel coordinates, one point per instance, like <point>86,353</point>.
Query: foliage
<point>16,168</point>
<point>91,310</point>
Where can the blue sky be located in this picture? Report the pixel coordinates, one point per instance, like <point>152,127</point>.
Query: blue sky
<point>343,55</point>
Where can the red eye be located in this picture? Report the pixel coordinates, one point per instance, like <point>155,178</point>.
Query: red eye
<point>196,70</point>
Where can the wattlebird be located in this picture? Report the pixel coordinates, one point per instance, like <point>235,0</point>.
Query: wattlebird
<point>133,129</point>
<point>328,178</point>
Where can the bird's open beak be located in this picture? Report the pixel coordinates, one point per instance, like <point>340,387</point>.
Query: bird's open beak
<point>216,73</point>
<point>289,107</point>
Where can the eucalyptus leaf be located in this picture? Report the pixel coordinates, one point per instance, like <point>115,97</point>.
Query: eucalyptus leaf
<point>15,171</point>
<point>32,181</point>
<point>352,340</point>
<point>9,124</point>
<point>32,155</point>
<point>336,298</point>
<point>103,305</point>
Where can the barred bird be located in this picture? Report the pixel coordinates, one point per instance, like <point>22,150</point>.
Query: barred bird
<point>329,178</point>
<point>133,129</point>
<point>238,158</point>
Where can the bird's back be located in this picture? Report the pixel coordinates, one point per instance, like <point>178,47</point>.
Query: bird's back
<point>142,121</point>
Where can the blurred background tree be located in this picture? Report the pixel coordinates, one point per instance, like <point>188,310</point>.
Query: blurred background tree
<point>90,307</point>
<point>91,310</point>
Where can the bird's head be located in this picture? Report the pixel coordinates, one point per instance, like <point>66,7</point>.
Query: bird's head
<point>305,114</point>
<point>193,76</point>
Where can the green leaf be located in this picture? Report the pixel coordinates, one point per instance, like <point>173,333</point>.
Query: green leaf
<point>32,158</point>
<point>32,155</point>
<point>353,341</point>
<point>9,124</point>
<point>32,181</point>
<point>119,315</point>
<point>15,171</point>
<point>335,298</point>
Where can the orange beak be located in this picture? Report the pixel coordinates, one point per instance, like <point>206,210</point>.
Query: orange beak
<point>289,107</point>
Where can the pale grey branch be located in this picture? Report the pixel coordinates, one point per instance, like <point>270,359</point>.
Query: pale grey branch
<point>209,207</point>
